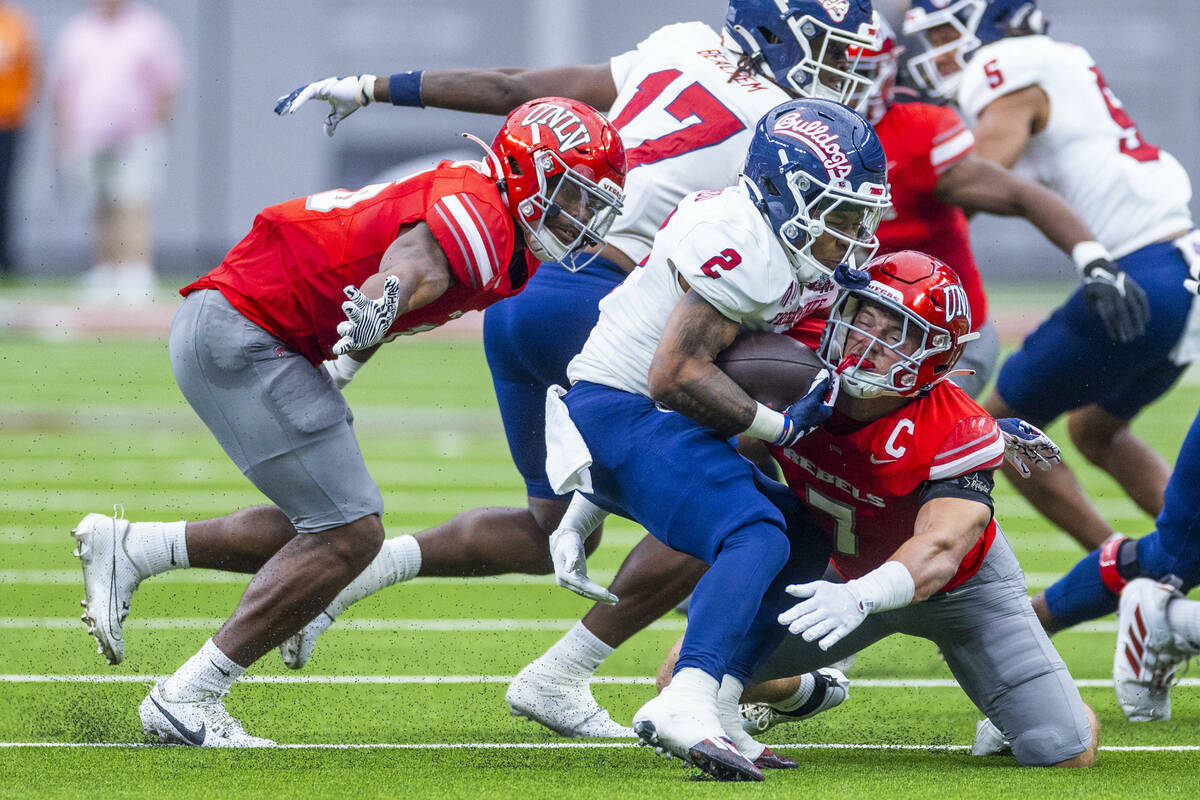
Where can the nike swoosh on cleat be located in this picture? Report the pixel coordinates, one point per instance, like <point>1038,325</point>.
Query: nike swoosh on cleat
<point>196,737</point>
<point>218,668</point>
<point>173,554</point>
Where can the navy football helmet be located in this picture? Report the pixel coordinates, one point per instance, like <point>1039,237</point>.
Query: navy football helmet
<point>805,46</point>
<point>950,30</point>
<point>817,172</point>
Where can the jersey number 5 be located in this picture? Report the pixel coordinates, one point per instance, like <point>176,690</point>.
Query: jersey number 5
<point>715,123</point>
<point>1132,143</point>
<point>728,259</point>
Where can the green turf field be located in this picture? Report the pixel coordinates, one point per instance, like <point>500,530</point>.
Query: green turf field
<point>87,423</point>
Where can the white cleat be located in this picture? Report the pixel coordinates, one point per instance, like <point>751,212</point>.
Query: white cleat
<point>109,579</point>
<point>203,723</point>
<point>693,734</point>
<point>989,741</point>
<point>830,688</point>
<point>1148,655</point>
<point>296,649</point>
<point>563,705</point>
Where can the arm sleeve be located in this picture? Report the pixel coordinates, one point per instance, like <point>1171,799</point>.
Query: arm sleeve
<point>997,70</point>
<point>975,486</point>
<point>473,235</point>
<point>973,444</point>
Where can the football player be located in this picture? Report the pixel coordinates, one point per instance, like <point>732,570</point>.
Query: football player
<point>1043,107</point>
<point>686,100</point>
<point>900,478</point>
<point>1145,581</point>
<point>644,429</point>
<point>259,353</point>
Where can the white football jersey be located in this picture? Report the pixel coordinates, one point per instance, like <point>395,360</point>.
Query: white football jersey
<point>685,126</point>
<point>720,244</point>
<point>1129,192</point>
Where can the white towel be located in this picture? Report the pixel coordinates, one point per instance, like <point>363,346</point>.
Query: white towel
<point>1187,349</point>
<point>567,456</point>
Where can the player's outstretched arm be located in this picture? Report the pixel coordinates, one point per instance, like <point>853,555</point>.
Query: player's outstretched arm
<point>485,91</point>
<point>945,530</point>
<point>977,184</point>
<point>413,272</point>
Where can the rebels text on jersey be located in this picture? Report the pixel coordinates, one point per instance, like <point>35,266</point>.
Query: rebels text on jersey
<point>287,275</point>
<point>720,245</point>
<point>686,123</point>
<point>863,483</point>
<point>1129,192</point>
<point>922,141</point>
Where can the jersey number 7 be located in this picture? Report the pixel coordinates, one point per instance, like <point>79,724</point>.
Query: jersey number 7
<point>716,122</point>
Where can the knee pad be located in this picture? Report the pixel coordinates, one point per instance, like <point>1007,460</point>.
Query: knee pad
<point>1047,745</point>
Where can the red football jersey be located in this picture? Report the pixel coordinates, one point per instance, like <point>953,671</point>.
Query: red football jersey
<point>921,142</point>
<point>287,275</point>
<point>863,484</point>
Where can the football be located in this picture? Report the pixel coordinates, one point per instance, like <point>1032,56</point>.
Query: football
<point>772,368</point>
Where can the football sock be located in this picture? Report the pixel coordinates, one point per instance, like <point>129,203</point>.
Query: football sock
<point>209,672</point>
<point>728,697</point>
<point>693,686</point>
<point>797,698</point>
<point>578,654</point>
<point>156,547</point>
<point>1080,595</point>
<point>1184,618</point>
<point>398,560</point>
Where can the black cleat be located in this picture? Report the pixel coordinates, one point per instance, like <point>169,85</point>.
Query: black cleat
<point>772,760</point>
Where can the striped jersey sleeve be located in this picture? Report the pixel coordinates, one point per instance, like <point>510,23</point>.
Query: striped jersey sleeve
<point>952,140</point>
<point>973,444</point>
<point>470,232</point>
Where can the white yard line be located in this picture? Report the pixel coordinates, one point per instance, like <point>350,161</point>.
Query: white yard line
<point>623,680</point>
<point>675,623</point>
<point>1179,748</point>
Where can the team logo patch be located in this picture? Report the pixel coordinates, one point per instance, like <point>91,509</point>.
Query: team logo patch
<point>836,9</point>
<point>815,135</point>
<point>955,299</point>
<point>564,123</point>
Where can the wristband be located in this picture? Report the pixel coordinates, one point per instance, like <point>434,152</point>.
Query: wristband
<point>883,589</point>
<point>583,516</point>
<point>1085,253</point>
<point>342,369</point>
<point>404,88</point>
<point>768,425</point>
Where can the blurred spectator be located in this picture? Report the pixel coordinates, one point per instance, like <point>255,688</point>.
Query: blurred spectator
<point>114,78</point>
<point>18,67</point>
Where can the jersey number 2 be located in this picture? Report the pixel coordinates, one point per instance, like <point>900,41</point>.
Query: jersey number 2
<point>1132,143</point>
<point>715,123</point>
<point>728,259</point>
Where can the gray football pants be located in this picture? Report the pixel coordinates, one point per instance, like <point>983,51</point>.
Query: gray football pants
<point>994,646</point>
<point>281,420</point>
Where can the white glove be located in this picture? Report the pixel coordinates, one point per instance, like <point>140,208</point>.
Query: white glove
<point>342,369</point>
<point>1026,446</point>
<point>367,320</point>
<point>831,611</point>
<point>570,566</point>
<point>345,96</point>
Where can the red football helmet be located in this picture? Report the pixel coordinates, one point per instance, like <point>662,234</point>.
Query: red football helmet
<point>563,169</point>
<point>904,332</point>
<point>879,64</point>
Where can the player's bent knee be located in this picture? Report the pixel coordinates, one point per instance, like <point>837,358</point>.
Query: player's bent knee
<point>356,543</point>
<point>1058,745</point>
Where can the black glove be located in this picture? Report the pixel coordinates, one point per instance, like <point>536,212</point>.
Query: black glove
<point>1116,298</point>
